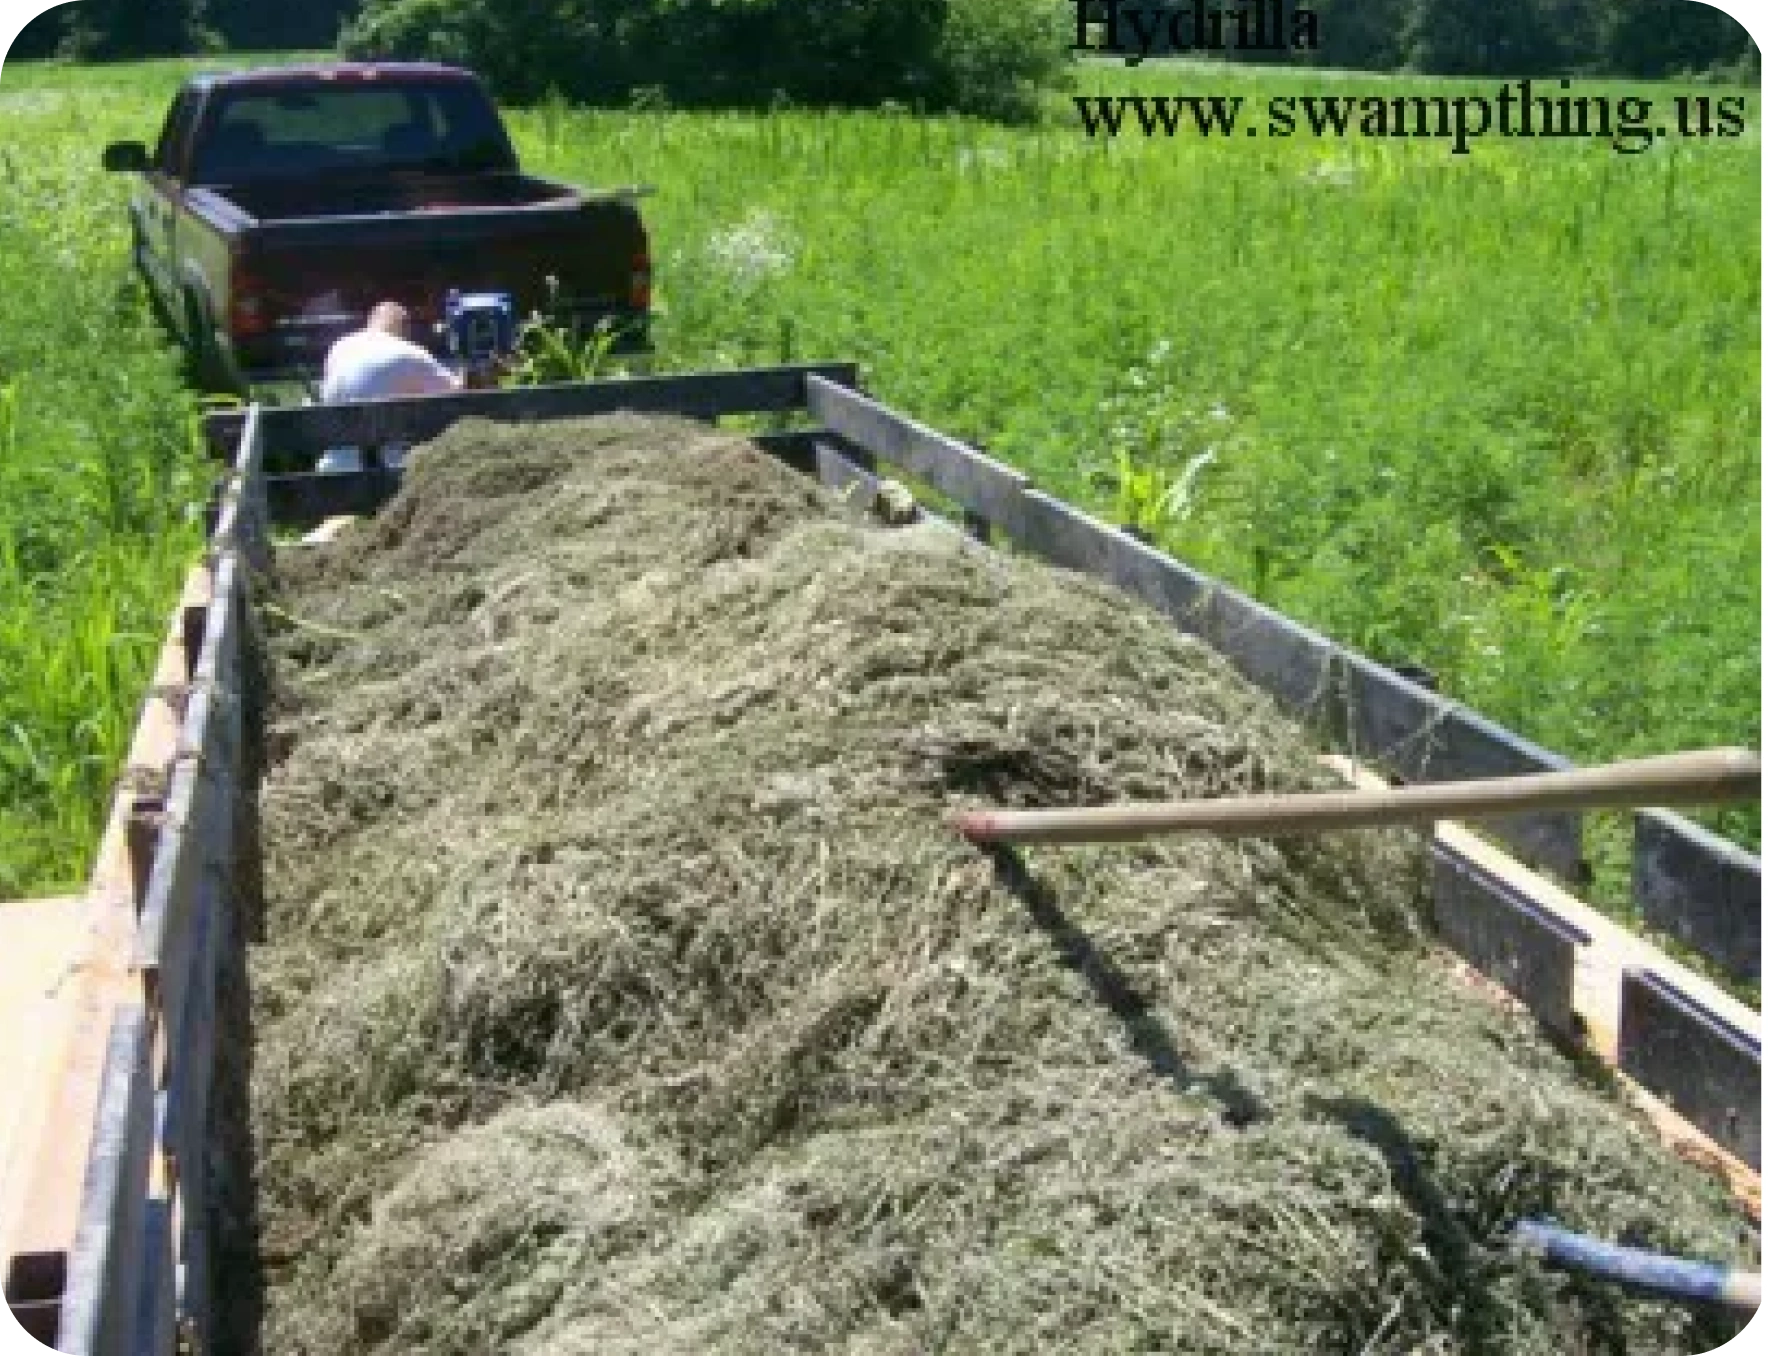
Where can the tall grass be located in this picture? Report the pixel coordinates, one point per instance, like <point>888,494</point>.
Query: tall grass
<point>98,478</point>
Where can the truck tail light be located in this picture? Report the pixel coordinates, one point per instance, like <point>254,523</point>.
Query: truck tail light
<point>251,308</point>
<point>640,294</point>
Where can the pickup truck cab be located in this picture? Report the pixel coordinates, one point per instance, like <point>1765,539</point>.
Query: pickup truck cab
<point>278,206</point>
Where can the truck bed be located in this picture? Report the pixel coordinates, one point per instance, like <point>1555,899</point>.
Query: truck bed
<point>328,253</point>
<point>272,203</point>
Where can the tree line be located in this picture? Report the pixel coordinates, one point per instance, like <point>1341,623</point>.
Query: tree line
<point>983,56</point>
<point>1639,39</point>
<point>120,29</point>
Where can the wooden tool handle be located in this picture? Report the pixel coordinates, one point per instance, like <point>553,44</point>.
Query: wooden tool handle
<point>1707,777</point>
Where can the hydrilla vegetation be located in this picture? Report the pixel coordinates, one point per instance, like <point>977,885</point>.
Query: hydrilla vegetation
<point>97,482</point>
<point>625,992</point>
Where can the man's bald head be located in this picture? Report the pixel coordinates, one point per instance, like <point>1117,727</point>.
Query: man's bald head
<point>389,317</point>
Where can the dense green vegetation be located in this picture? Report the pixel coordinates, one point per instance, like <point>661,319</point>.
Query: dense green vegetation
<point>982,56</point>
<point>1495,414</point>
<point>96,480</point>
<point>119,29</point>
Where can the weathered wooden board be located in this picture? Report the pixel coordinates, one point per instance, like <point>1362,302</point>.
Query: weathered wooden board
<point>1702,1065</point>
<point>1506,936</point>
<point>1169,586</point>
<point>168,919</point>
<point>185,1125</point>
<point>299,435</point>
<point>795,447</point>
<point>1700,889</point>
<point>99,1310</point>
<point>1420,737</point>
<point>1392,721</point>
<point>844,468</point>
<point>1469,746</point>
<point>1612,949</point>
<point>1295,665</point>
<point>225,515</point>
<point>1057,532</point>
<point>254,533</point>
<point>190,1040</point>
<point>976,482</point>
<point>43,940</point>
<point>239,518</point>
<point>212,743</point>
<point>194,1285</point>
<point>215,658</point>
<point>131,1299</point>
<point>156,1313</point>
<point>248,446</point>
<point>303,499</point>
<point>851,472</point>
<point>42,1205</point>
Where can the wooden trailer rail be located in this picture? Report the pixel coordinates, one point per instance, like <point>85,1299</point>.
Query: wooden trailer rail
<point>113,1251</point>
<point>108,1251</point>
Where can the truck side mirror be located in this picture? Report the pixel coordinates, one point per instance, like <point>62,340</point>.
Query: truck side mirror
<point>125,157</point>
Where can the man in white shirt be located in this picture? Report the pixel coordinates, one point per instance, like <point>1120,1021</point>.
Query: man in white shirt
<point>380,362</point>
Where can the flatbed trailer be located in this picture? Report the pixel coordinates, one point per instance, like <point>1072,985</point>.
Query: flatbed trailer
<point>116,1185</point>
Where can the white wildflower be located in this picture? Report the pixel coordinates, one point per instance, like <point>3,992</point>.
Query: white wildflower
<point>1339,173</point>
<point>976,158</point>
<point>755,249</point>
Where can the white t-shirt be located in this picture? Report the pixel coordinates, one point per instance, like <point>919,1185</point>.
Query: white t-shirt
<point>375,365</point>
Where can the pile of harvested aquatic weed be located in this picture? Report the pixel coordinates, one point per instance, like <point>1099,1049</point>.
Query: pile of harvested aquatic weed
<point>624,990</point>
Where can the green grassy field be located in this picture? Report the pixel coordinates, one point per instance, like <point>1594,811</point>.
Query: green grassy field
<point>96,477</point>
<point>1494,414</point>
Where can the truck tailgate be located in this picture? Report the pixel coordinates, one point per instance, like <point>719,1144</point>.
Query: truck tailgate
<point>300,283</point>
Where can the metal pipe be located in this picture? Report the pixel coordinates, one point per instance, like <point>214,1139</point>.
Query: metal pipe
<point>1675,1277</point>
<point>1706,777</point>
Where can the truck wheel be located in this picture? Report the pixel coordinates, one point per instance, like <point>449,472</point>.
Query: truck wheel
<point>204,364</point>
<point>155,301</point>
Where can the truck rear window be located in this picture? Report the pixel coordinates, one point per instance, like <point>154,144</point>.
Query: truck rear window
<point>310,129</point>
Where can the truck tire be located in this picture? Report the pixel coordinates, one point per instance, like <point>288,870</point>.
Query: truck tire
<point>207,372</point>
<point>144,279</point>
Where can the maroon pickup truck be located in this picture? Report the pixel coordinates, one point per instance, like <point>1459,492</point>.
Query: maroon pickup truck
<point>279,205</point>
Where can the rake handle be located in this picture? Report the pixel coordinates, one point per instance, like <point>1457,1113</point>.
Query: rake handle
<point>1635,1268</point>
<point>1705,777</point>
